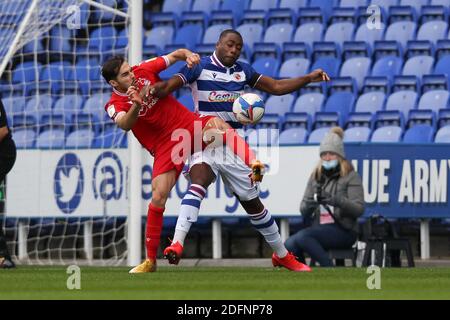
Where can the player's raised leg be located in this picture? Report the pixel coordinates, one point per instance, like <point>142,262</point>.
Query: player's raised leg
<point>161,186</point>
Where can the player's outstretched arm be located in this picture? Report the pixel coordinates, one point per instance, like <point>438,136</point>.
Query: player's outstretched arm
<point>184,55</point>
<point>285,86</point>
<point>164,88</point>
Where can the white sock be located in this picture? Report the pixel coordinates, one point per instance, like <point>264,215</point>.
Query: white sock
<point>190,206</point>
<point>266,225</point>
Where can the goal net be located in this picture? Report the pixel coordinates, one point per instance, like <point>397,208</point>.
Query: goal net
<point>65,199</point>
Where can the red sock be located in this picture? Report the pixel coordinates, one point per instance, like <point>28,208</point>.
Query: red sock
<point>153,230</point>
<point>238,145</point>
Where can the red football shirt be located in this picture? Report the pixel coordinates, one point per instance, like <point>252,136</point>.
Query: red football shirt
<point>158,118</point>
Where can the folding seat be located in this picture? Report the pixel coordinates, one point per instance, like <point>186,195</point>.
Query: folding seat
<point>405,83</point>
<point>59,39</point>
<point>443,118</point>
<point>353,49</point>
<point>342,14</point>
<point>370,102</point>
<point>317,135</point>
<point>102,39</point>
<point>186,100</point>
<point>221,17</point>
<point>26,72</point>
<point>206,6</point>
<point>359,119</point>
<point>296,120</point>
<point>342,84</point>
<point>278,33</point>
<point>14,105</point>
<point>443,135</point>
<point>176,6</point>
<point>263,137</point>
<point>269,121</point>
<point>158,19</point>
<point>309,103</point>
<point>213,32</point>
<point>325,5</point>
<point>294,67</point>
<point>159,37</point>
<point>389,66</point>
<point>421,117</point>
<point>357,134</point>
<point>353,3</point>
<point>258,17</point>
<point>401,13</point>
<point>433,31</point>
<point>376,84</point>
<point>443,66</point>
<point>440,3</point>
<point>387,134</point>
<point>189,36</point>
<point>416,4</point>
<point>80,138</point>
<point>205,49</point>
<point>293,136</point>
<point>341,103</point>
<point>72,103</point>
<point>310,15</point>
<point>277,16</point>
<point>433,13</point>
<point>267,66</point>
<point>340,32</point>
<point>194,17</point>
<point>309,33</point>
<point>315,87</point>
<point>329,64</point>
<point>263,4</point>
<point>251,33</point>
<point>51,137</point>
<point>421,133</point>
<point>279,104</point>
<point>401,31</point>
<point>236,6</point>
<point>419,48</point>
<point>434,100</point>
<point>266,50</point>
<point>358,68</point>
<point>24,138</point>
<point>293,4</point>
<point>295,50</point>
<point>403,101</point>
<point>38,104</point>
<point>434,82</point>
<point>418,66</point>
<point>384,4</point>
<point>386,49</point>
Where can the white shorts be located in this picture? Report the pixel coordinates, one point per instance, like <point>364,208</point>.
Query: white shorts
<point>234,172</point>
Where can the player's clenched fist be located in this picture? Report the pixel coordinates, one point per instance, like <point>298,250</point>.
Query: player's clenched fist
<point>192,60</point>
<point>134,96</point>
<point>319,75</point>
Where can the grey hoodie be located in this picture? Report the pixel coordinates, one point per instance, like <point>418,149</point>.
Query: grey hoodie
<point>350,192</point>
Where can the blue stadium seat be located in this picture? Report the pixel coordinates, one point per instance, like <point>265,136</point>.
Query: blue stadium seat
<point>81,138</point>
<point>206,6</point>
<point>317,135</point>
<point>359,68</point>
<point>402,83</point>
<point>294,67</point>
<point>205,49</point>
<point>194,17</point>
<point>223,17</point>
<point>419,134</point>
<point>419,117</point>
<point>387,48</point>
<point>418,66</point>
<point>340,32</point>
<point>433,13</point>
<point>70,104</point>
<point>295,50</point>
<point>189,36</point>
<point>357,134</point>
<point>292,4</point>
<point>376,84</point>
<point>186,100</point>
<point>401,13</point>
<point>310,15</point>
<point>340,84</point>
<point>434,82</point>
<point>102,40</point>
<point>251,33</point>
<point>111,137</point>
<point>122,41</point>
<point>342,14</point>
<point>296,120</point>
<point>309,33</point>
<point>419,48</point>
<point>236,6</point>
<point>103,15</point>
<point>14,105</point>
<point>267,66</point>
<point>159,19</point>
<point>401,31</point>
<point>176,6</point>
<point>53,75</point>
<point>388,118</point>
<point>370,102</point>
<point>341,103</point>
<point>24,138</point>
<point>51,139</point>
<point>258,17</point>
<point>213,32</point>
<point>387,67</point>
<point>263,137</point>
<point>385,4</point>
<point>293,136</point>
<point>309,103</point>
<point>266,50</point>
<point>41,103</point>
<point>355,49</point>
<point>26,72</point>
<point>59,39</point>
<point>443,135</point>
<point>433,31</point>
<point>325,5</point>
<point>387,134</point>
<point>443,66</point>
<point>329,64</point>
<point>352,3</point>
<point>416,4</point>
<point>277,16</point>
<point>159,37</point>
<point>279,104</point>
<point>263,4</point>
<point>440,2</point>
<point>269,121</point>
<point>278,33</point>
<point>402,101</point>
<point>359,119</point>
<point>434,100</point>
<point>22,121</point>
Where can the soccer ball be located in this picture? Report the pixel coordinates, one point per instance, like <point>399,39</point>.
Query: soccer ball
<point>248,108</point>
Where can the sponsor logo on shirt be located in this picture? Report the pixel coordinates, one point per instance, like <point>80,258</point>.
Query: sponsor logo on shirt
<point>222,97</point>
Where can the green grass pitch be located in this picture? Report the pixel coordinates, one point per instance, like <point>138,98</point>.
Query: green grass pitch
<point>228,283</point>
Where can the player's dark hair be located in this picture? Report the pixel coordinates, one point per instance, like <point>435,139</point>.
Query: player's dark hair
<point>111,68</point>
<point>228,31</point>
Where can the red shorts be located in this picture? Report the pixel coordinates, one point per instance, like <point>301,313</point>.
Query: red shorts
<point>167,155</point>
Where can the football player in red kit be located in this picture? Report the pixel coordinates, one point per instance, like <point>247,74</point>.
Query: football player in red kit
<point>153,122</point>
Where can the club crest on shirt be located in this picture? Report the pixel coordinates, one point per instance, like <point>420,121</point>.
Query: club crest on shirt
<point>237,76</point>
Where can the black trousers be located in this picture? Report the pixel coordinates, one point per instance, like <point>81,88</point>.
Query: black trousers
<point>6,164</point>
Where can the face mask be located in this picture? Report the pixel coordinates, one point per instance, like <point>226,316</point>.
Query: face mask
<point>328,165</point>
